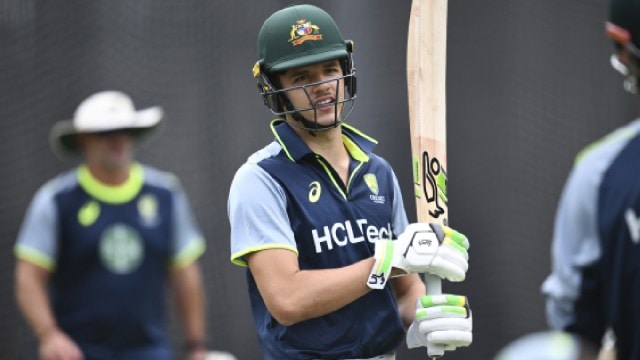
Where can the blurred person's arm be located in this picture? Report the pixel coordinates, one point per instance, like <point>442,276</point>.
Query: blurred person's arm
<point>573,290</point>
<point>188,294</point>
<point>33,300</point>
<point>185,277</point>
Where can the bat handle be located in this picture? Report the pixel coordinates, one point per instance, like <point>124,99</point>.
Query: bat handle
<point>433,283</point>
<point>434,287</point>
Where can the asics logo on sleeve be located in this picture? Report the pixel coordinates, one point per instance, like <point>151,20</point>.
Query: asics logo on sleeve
<point>314,192</point>
<point>342,234</point>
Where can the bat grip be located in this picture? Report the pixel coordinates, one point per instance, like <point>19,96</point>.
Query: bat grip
<point>433,283</point>
<point>434,287</point>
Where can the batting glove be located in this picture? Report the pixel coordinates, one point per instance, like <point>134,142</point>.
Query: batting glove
<point>422,247</point>
<point>443,322</point>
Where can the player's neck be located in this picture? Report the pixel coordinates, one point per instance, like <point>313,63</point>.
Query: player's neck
<point>327,143</point>
<point>109,176</point>
<point>330,146</point>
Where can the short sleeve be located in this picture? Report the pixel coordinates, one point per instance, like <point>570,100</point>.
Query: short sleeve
<point>576,239</point>
<point>37,238</point>
<point>187,240</point>
<point>399,215</point>
<point>257,210</point>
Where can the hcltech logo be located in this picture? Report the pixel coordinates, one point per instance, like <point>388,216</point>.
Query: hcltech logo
<point>342,234</point>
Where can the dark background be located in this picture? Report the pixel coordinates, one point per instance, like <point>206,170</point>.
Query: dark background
<point>528,86</point>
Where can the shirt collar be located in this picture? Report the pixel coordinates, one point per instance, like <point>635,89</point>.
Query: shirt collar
<point>108,193</point>
<point>358,144</point>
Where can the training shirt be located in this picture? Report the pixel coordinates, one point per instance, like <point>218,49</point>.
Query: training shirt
<point>109,250</point>
<point>595,281</point>
<point>287,197</point>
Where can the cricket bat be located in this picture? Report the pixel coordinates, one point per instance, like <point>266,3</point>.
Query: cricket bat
<point>426,73</point>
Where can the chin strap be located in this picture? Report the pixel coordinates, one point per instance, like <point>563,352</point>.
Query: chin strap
<point>313,126</point>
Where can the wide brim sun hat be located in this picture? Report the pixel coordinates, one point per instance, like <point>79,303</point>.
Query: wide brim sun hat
<point>102,112</point>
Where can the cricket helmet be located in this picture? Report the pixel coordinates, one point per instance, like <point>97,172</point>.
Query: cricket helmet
<point>623,27</point>
<point>297,36</point>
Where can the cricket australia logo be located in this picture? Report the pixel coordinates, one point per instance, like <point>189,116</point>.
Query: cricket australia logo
<point>148,210</point>
<point>302,31</point>
<point>372,183</point>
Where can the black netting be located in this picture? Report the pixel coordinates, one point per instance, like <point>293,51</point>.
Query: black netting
<point>528,85</point>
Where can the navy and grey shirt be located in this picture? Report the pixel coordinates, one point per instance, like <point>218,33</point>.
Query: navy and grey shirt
<point>287,197</point>
<point>109,250</point>
<point>595,283</point>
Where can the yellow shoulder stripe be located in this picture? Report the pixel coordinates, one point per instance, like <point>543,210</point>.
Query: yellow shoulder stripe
<point>238,258</point>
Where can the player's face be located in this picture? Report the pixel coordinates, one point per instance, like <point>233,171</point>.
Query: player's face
<point>113,150</point>
<point>318,87</point>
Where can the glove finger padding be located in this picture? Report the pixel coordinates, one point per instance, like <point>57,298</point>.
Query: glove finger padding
<point>422,247</point>
<point>449,264</point>
<point>442,321</point>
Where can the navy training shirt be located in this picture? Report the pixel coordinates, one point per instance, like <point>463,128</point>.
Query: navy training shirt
<point>285,196</point>
<point>595,282</point>
<point>109,250</point>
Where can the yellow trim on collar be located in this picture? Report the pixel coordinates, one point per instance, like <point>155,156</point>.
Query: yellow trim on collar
<point>333,179</point>
<point>282,144</point>
<point>112,194</point>
<point>353,149</point>
<point>356,131</point>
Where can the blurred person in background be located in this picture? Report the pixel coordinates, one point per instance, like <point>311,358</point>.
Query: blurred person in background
<point>548,345</point>
<point>100,242</point>
<point>595,281</point>
<point>319,221</point>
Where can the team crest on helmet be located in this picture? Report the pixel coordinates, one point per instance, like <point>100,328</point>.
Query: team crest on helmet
<point>304,30</point>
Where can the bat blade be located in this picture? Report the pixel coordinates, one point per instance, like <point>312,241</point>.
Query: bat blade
<point>426,86</point>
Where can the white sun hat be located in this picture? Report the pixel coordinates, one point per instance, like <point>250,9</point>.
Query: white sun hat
<point>100,112</point>
<point>220,355</point>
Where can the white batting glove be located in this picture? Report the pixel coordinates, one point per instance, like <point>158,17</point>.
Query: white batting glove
<point>443,322</point>
<point>422,247</point>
